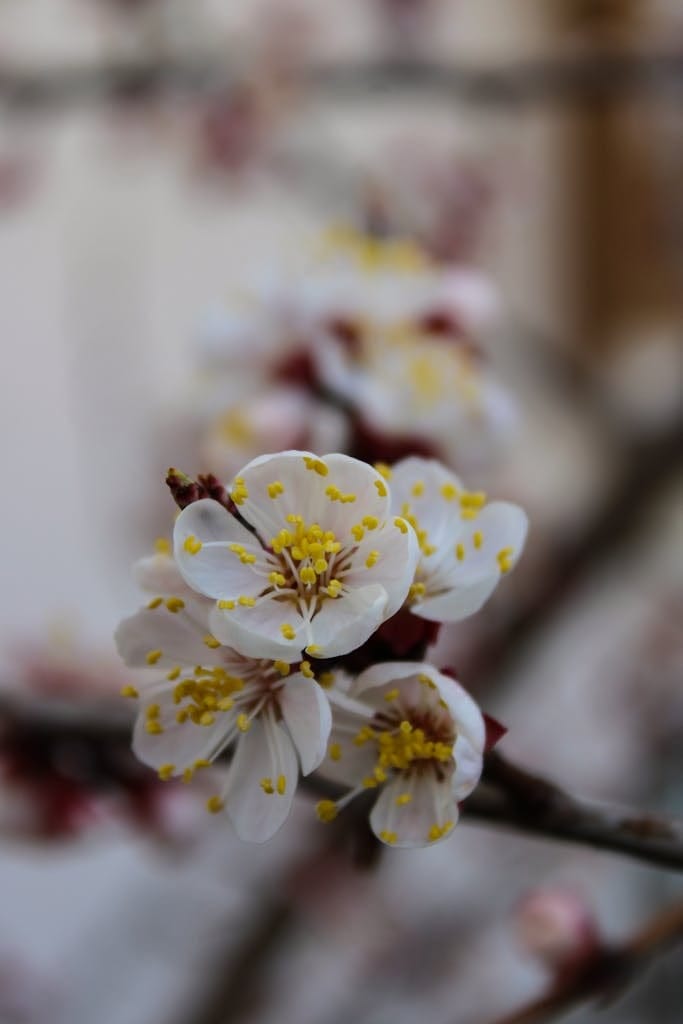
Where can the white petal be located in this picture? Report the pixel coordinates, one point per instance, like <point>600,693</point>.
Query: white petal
<point>344,623</point>
<point>469,762</point>
<point>180,744</point>
<point>215,570</point>
<point>384,674</point>
<point>431,804</point>
<point>257,632</point>
<point>175,638</point>
<point>463,709</point>
<point>307,715</point>
<point>434,510</point>
<point>462,599</point>
<point>159,574</point>
<point>265,752</point>
<point>397,557</point>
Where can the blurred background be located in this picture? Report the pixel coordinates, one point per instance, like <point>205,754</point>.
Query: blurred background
<point>169,175</point>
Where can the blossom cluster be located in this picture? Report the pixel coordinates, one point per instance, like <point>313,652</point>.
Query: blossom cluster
<point>374,350</point>
<point>265,620</point>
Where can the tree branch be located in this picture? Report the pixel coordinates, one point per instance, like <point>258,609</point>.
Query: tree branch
<point>606,972</point>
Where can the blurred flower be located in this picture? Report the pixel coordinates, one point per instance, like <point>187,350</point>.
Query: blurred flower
<point>557,927</point>
<point>417,734</point>
<point>280,417</point>
<point>212,697</point>
<point>466,545</point>
<point>326,562</point>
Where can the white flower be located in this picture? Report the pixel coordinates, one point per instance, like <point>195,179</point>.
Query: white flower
<point>326,564</point>
<point>466,545</point>
<point>288,417</point>
<point>410,730</point>
<point>210,697</point>
<point>402,380</point>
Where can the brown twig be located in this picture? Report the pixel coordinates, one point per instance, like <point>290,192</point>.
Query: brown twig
<point>520,83</point>
<point>606,972</point>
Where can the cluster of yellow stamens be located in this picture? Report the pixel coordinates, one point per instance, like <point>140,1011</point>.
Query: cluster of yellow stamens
<point>400,748</point>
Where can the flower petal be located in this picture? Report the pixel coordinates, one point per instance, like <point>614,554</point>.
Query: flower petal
<point>458,602</point>
<point>430,490</point>
<point>159,637</point>
<point>265,752</point>
<point>179,744</point>
<point>386,556</point>
<point>344,623</point>
<point>307,715</point>
<point>257,631</point>
<point>213,568</point>
<point>159,574</point>
<point>428,816</point>
<point>462,708</point>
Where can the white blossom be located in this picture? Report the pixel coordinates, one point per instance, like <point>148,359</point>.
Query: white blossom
<point>466,544</point>
<point>321,563</point>
<point>209,697</point>
<point>414,734</point>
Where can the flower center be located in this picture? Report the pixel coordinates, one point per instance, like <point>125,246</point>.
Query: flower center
<point>311,560</point>
<point>407,741</point>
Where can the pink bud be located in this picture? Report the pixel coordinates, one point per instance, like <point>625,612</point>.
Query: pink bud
<point>556,926</point>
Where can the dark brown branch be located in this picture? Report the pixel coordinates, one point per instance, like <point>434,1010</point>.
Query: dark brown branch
<point>606,972</point>
<point>509,796</point>
<point>553,79</point>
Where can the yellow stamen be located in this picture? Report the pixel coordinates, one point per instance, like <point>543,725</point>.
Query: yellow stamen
<point>326,810</point>
<point>192,545</point>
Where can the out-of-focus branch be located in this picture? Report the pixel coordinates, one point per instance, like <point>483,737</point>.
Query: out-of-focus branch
<point>509,796</point>
<point>606,971</point>
<point>551,79</point>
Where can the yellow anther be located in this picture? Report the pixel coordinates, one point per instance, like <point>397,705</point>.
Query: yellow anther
<point>335,751</point>
<point>293,517</point>
<point>243,723</point>
<point>225,704</point>
<point>201,762</point>
<point>326,680</point>
<point>403,799</point>
<point>379,773</point>
<point>214,805</point>
<point>267,786</point>
<point>162,546</point>
<point>282,667</point>
<point>473,499</point>
<point>477,538</point>
<point>246,602</point>
<point>315,650</point>
<point>417,488</point>
<point>206,718</point>
<point>416,591</point>
<point>211,641</point>
<point>153,726</point>
<point>320,566</point>
<point>275,488</point>
<point>173,674</point>
<point>281,785</point>
<point>358,532</point>
<point>334,588</point>
<point>129,691</point>
<point>369,782</point>
<point>288,631</point>
<point>388,837</point>
<point>333,493</point>
<point>188,775</point>
<point>434,833</point>
<point>182,716</point>
<point>239,492</point>
<point>460,552</point>
<point>405,727</point>
<point>504,558</point>
<point>381,488</point>
<point>316,465</point>
<point>175,604</point>
<point>192,545</point>
<point>276,579</point>
<point>449,491</point>
<point>226,605</point>
<point>347,499</point>
<point>155,602</point>
<point>165,772</point>
<point>402,525</point>
<point>307,575</point>
<point>370,522</point>
<point>152,657</point>
<point>468,513</point>
<point>383,470</point>
<point>306,670</point>
<point>326,810</point>
<point>427,681</point>
<point>391,694</point>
